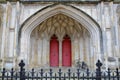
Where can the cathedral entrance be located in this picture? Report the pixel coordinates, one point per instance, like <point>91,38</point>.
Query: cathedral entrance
<point>82,43</point>
<point>60,41</point>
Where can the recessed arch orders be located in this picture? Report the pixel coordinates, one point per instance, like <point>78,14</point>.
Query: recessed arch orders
<point>52,10</point>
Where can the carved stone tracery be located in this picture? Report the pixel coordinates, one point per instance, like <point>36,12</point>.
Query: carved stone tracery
<point>60,25</point>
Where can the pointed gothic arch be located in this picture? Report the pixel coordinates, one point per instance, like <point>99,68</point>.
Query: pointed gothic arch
<point>78,15</point>
<point>66,51</point>
<point>54,51</point>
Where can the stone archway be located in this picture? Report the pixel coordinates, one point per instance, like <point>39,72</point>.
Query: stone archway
<point>70,11</point>
<point>72,42</point>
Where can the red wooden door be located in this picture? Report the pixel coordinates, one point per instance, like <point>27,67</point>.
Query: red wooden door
<point>66,51</point>
<point>54,52</point>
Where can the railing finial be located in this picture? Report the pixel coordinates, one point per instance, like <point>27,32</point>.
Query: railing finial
<point>21,64</point>
<point>98,70</point>
<point>98,64</point>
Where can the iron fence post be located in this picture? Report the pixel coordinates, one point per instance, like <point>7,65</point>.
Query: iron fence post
<point>69,73</point>
<point>117,74</point>
<point>21,65</point>
<point>87,72</point>
<point>32,74</point>
<point>51,72</point>
<point>3,73</point>
<point>41,73</point>
<point>78,74</point>
<point>109,76</point>
<point>60,73</point>
<point>12,72</point>
<point>98,70</point>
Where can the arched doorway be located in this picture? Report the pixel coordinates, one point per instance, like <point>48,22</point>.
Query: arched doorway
<point>63,40</point>
<point>79,16</point>
<point>54,52</point>
<point>66,51</point>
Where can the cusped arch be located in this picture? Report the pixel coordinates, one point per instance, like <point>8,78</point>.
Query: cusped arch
<point>77,14</point>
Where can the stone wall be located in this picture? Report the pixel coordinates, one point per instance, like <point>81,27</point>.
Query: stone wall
<point>106,14</point>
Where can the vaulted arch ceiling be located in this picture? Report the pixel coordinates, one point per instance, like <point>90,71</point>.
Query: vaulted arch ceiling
<point>61,25</point>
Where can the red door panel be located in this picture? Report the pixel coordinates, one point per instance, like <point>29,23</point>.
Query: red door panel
<point>54,52</point>
<point>66,52</point>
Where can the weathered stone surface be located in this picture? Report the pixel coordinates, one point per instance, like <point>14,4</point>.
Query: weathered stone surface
<point>27,28</point>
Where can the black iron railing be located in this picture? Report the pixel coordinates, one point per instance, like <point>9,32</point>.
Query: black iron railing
<point>59,75</point>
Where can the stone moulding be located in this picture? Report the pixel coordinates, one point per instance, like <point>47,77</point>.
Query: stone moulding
<point>30,24</point>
